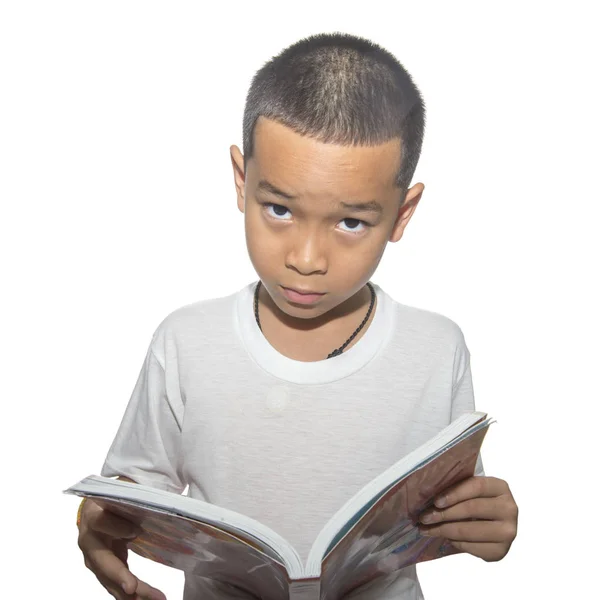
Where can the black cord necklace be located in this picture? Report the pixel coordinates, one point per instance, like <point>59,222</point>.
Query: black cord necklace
<point>339,350</point>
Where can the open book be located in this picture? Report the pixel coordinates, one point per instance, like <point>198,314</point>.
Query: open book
<point>375,533</point>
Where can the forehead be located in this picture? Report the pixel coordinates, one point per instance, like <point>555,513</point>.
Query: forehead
<point>310,167</point>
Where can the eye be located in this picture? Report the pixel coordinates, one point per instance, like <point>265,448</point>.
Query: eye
<point>354,225</point>
<point>277,211</point>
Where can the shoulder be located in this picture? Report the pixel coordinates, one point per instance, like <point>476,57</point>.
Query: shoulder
<point>427,339</point>
<point>201,310</point>
<point>191,323</point>
<point>425,325</point>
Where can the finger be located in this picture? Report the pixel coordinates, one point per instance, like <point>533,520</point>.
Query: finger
<point>119,547</point>
<point>104,563</point>
<point>113,590</point>
<point>472,487</point>
<point>146,592</point>
<point>142,592</point>
<point>472,531</point>
<point>477,508</point>
<point>113,526</point>
<point>488,551</point>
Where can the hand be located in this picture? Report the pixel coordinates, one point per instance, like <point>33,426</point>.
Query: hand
<point>478,515</point>
<point>103,540</point>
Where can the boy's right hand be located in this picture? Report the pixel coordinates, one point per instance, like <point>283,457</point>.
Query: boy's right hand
<point>103,540</point>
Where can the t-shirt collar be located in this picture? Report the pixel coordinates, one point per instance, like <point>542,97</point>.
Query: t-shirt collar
<point>317,372</point>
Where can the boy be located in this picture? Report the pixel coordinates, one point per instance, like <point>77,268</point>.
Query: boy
<point>285,398</point>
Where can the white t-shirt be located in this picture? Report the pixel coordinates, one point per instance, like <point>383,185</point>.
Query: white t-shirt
<point>287,442</point>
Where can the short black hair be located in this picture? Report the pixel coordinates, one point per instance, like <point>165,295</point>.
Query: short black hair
<point>342,89</point>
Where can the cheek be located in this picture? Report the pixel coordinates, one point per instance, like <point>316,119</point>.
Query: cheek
<point>361,256</point>
<point>260,243</point>
<point>256,230</point>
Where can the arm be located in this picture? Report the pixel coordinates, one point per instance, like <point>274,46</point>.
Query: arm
<point>146,450</point>
<point>478,515</point>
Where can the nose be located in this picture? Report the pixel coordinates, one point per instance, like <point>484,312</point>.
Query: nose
<point>307,255</point>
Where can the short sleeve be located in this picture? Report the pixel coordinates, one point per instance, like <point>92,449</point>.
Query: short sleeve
<point>147,447</point>
<point>463,397</point>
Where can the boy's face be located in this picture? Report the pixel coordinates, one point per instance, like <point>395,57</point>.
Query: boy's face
<point>313,241</point>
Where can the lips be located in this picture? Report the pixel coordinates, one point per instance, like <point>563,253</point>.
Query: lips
<point>301,297</point>
<point>303,292</point>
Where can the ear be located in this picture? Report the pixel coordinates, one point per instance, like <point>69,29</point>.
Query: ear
<point>237,161</point>
<point>406,211</point>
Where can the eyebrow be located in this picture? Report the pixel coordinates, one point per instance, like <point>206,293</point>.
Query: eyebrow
<point>265,186</point>
<point>372,206</point>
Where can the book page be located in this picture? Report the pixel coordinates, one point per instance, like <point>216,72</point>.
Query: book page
<point>386,539</point>
<point>203,550</point>
<point>238,525</point>
<point>358,505</point>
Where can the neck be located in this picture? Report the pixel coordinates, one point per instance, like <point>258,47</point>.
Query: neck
<point>314,339</point>
<point>337,317</point>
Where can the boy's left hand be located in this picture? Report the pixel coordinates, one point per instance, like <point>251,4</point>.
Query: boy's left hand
<point>479,516</point>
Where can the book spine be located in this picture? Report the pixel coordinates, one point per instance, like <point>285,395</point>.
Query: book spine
<point>305,589</point>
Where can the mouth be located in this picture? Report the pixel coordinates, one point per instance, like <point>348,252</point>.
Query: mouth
<point>302,296</point>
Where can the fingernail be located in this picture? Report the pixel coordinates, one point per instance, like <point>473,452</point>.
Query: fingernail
<point>441,501</point>
<point>426,518</point>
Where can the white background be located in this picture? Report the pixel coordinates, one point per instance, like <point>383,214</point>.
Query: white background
<point>118,206</point>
